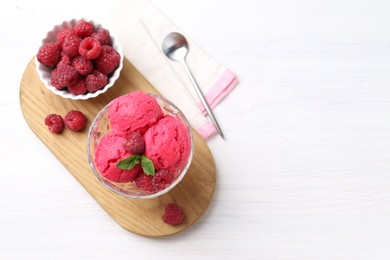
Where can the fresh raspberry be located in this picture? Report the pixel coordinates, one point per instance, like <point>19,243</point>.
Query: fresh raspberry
<point>103,36</point>
<point>90,48</point>
<point>65,59</point>
<point>144,182</point>
<point>82,65</point>
<point>83,29</point>
<point>75,120</point>
<point>54,79</point>
<point>173,215</point>
<point>162,179</point>
<point>96,81</point>
<point>79,88</point>
<point>49,54</point>
<point>108,60</point>
<point>71,44</point>
<point>62,35</point>
<point>66,75</point>
<point>134,143</point>
<point>55,123</point>
<point>129,175</point>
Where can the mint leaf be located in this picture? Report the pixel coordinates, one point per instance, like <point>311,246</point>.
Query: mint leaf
<point>147,166</point>
<point>129,163</point>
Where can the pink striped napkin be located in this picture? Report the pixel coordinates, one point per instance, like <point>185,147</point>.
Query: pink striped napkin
<point>141,28</point>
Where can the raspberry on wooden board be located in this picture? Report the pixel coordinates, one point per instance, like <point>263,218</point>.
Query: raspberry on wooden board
<point>55,123</point>
<point>173,215</point>
<point>75,120</point>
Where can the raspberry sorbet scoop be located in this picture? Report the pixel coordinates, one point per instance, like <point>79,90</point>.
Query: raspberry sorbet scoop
<point>109,152</point>
<point>134,112</point>
<point>167,144</point>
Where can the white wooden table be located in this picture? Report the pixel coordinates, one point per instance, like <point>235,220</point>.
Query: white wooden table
<point>304,172</point>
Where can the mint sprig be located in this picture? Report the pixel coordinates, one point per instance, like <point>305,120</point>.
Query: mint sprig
<point>147,165</point>
<point>129,163</point>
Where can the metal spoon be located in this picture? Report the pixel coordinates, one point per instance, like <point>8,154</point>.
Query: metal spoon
<point>175,47</point>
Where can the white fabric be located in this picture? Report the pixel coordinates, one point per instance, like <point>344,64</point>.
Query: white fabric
<point>141,29</point>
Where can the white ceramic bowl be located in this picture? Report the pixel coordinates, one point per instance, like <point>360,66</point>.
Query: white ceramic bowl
<point>44,72</point>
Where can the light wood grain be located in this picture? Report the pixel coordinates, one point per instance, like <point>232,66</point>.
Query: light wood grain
<point>142,217</point>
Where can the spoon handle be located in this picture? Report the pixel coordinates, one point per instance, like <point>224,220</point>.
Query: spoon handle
<point>201,97</point>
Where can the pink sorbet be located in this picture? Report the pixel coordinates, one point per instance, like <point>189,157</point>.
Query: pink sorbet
<point>167,144</point>
<point>109,152</point>
<point>136,111</point>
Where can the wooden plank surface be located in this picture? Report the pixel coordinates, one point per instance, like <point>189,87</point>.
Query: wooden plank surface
<point>142,217</point>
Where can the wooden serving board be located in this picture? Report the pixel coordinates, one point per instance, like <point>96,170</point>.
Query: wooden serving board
<point>143,217</point>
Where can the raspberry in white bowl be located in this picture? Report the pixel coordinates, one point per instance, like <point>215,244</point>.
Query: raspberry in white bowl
<point>79,59</point>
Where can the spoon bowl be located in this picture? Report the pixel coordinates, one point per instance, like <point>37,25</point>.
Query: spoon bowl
<point>175,46</point>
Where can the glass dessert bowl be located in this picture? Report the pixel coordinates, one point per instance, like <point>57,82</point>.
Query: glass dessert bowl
<point>140,145</point>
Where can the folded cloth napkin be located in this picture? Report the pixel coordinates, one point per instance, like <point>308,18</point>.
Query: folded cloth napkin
<point>141,28</point>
